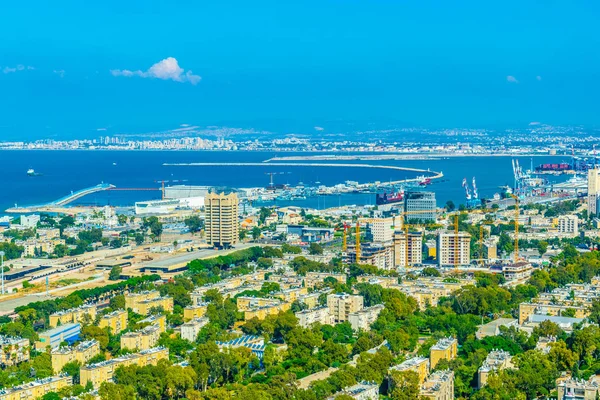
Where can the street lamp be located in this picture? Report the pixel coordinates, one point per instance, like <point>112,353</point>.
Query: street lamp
<point>2,267</point>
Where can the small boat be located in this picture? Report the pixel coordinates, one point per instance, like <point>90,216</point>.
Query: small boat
<point>114,164</point>
<point>31,172</point>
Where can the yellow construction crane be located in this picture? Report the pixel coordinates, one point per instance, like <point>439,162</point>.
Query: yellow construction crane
<point>516,252</point>
<point>403,224</point>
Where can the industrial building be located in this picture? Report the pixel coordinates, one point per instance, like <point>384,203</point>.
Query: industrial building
<point>54,337</point>
<point>221,219</point>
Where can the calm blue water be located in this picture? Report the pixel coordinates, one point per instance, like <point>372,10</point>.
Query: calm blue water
<point>66,171</point>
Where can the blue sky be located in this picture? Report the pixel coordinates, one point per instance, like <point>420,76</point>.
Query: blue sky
<point>68,68</point>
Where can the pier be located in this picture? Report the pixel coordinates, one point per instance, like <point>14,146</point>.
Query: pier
<point>434,174</point>
<point>63,201</point>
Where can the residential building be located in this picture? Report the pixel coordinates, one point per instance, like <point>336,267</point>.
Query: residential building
<point>103,371</point>
<point>73,315</point>
<point>415,248</point>
<point>430,248</point>
<point>83,352</point>
<point>495,361</point>
<point>593,191</point>
<point>420,365</point>
<point>158,319</point>
<point>360,391</point>
<point>37,388</point>
<point>308,317</point>
<point>518,271</point>
<point>221,219</point>
<point>13,350</point>
<point>262,312</point>
<point>568,224</point>
<point>132,299</point>
<point>342,305</point>
<point>544,344</point>
<point>439,386</point>
<point>190,329</point>
<point>191,312</point>
<point>420,206</point>
<point>362,319</point>
<point>145,338</point>
<point>578,389</point>
<point>245,303</point>
<point>381,230</point>
<point>445,348</point>
<point>453,249</point>
<point>146,307</point>
<point>526,310</point>
<point>316,278</point>
<point>54,337</point>
<point>116,321</point>
<point>382,256</point>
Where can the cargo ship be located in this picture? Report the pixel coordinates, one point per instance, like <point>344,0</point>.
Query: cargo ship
<point>559,167</point>
<point>390,198</point>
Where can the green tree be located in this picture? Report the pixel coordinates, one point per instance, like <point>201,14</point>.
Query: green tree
<point>542,247</point>
<point>450,206</point>
<point>193,223</point>
<point>117,302</point>
<point>72,368</point>
<point>256,232</point>
<point>122,219</point>
<point>315,249</point>
<point>115,273</point>
<point>404,385</point>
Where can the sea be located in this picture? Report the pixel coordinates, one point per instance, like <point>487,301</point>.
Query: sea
<point>61,172</point>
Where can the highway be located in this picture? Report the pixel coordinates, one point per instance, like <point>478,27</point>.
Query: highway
<point>63,201</point>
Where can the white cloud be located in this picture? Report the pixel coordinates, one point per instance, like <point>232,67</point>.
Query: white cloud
<point>511,79</point>
<point>319,128</point>
<point>167,69</point>
<point>19,67</point>
<point>59,72</point>
<point>539,78</point>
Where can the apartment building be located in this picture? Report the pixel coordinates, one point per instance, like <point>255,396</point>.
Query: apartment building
<point>342,305</point>
<point>420,206</point>
<point>132,299</point>
<point>420,365</point>
<point>146,307</point>
<point>292,294</point>
<point>190,329</point>
<point>445,348</point>
<point>262,312</point>
<point>381,230</point>
<point>116,321</point>
<point>495,361</point>
<point>13,350</point>
<point>453,249</point>
<point>526,310</point>
<point>415,249</point>
<point>103,371</point>
<point>518,271</point>
<point>83,352</point>
<point>158,319</point>
<point>380,255</point>
<point>593,191</point>
<point>221,219</point>
<point>316,278</point>
<point>245,303</point>
<point>308,317</point>
<point>191,312</point>
<point>578,389</point>
<point>568,224</point>
<point>145,338</point>
<point>73,315</point>
<point>439,386</point>
<point>360,391</point>
<point>362,319</point>
<point>36,389</point>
